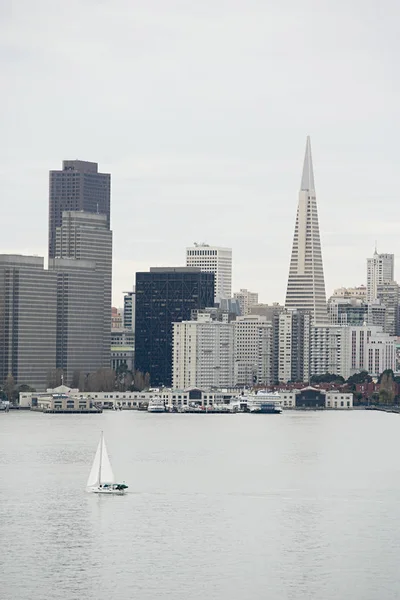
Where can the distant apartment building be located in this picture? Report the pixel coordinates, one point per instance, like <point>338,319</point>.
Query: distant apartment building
<point>388,293</point>
<point>246,300</point>
<point>28,304</point>
<point>380,268</point>
<point>165,296</point>
<point>116,318</point>
<point>346,350</point>
<point>380,354</point>
<point>213,259</point>
<point>252,351</point>
<point>271,312</point>
<point>329,351</point>
<point>203,352</point>
<point>376,314</point>
<point>77,187</point>
<point>294,345</point>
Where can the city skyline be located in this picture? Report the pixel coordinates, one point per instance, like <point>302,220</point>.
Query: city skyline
<point>229,160</point>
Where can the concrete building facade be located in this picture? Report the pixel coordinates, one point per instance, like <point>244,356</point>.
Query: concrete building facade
<point>380,268</point>
<point>213,259</point>
<point>28,304</point>
<point>86,236</point>
<point>294,345</point>
<point>271,312</point>
<point>80,318</point>
<point>246,300</point>
<point>129,310</point>
<point>202,353</point>
<point>388,293</point>
<point>252,351</point>
<point>346,350</point>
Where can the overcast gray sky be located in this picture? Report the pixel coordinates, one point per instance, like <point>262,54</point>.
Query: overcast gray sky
<point>200,111</point>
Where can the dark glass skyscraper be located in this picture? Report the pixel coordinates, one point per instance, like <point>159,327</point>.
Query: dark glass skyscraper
<point>165,296</point>
<point>79,186</point>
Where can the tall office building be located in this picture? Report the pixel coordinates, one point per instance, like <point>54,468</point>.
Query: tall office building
<point>77,187</point>
<point>388,293</point>
<point>86,236</point>
<point>246,300</point>
<point>252,350</point>
<point>306,285</point>
<point>380,268</point>
<point>271,312</point>
<point>213,259</point>
<point>80,318</point>
<point>294,345</point>
<point>165,296</point>
<point>129,310</point>
<point>28,305</point>
<point>203,352</point>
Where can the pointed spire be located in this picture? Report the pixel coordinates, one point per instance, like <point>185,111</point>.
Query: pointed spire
<point>307,180</point>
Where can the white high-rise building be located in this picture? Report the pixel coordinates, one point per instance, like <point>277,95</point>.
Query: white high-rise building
<point>306,285</point>
<point>246,300</point>
<point>328,350</point>
<point>380,354</point>
<point>252,350</point>
<point>213,259</point>
<point>202,354</point>
<point>380,268</point>
<point>346,350</point>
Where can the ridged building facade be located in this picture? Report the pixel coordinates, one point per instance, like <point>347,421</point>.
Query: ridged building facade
<point>306,285</point>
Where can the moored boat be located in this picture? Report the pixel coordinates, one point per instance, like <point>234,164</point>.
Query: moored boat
<point>156,405</point>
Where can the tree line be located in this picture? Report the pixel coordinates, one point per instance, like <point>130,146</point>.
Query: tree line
<point>388,385</point>
<point>102,380</point>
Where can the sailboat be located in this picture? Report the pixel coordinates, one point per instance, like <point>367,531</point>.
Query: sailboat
<point>101,479</point>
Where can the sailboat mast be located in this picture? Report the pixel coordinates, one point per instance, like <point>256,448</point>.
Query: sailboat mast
<point>101,456</point>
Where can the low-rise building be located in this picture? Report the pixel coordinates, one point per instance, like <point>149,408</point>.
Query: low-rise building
<point>122,355</point>
<point>310,397</point>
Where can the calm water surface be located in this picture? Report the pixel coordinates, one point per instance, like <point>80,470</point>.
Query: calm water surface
<point>221,507</point>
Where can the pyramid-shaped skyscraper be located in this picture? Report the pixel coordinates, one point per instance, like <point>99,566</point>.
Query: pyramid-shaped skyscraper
<point>306,285</point>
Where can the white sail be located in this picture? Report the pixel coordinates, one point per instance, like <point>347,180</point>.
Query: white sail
<point>95,470</point>
<point>106,472</point>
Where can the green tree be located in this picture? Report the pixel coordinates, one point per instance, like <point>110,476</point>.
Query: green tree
<point>387,388</point>
<point>358,378</point>
<point>9,387</point>
<point>141,381</point>
<point>327,378</point>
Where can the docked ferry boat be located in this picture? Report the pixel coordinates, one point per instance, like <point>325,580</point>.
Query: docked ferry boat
<point>263,402</point>
<point>156,405</point>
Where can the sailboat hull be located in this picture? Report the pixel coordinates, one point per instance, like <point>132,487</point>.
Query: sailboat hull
<point>107,492</point>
